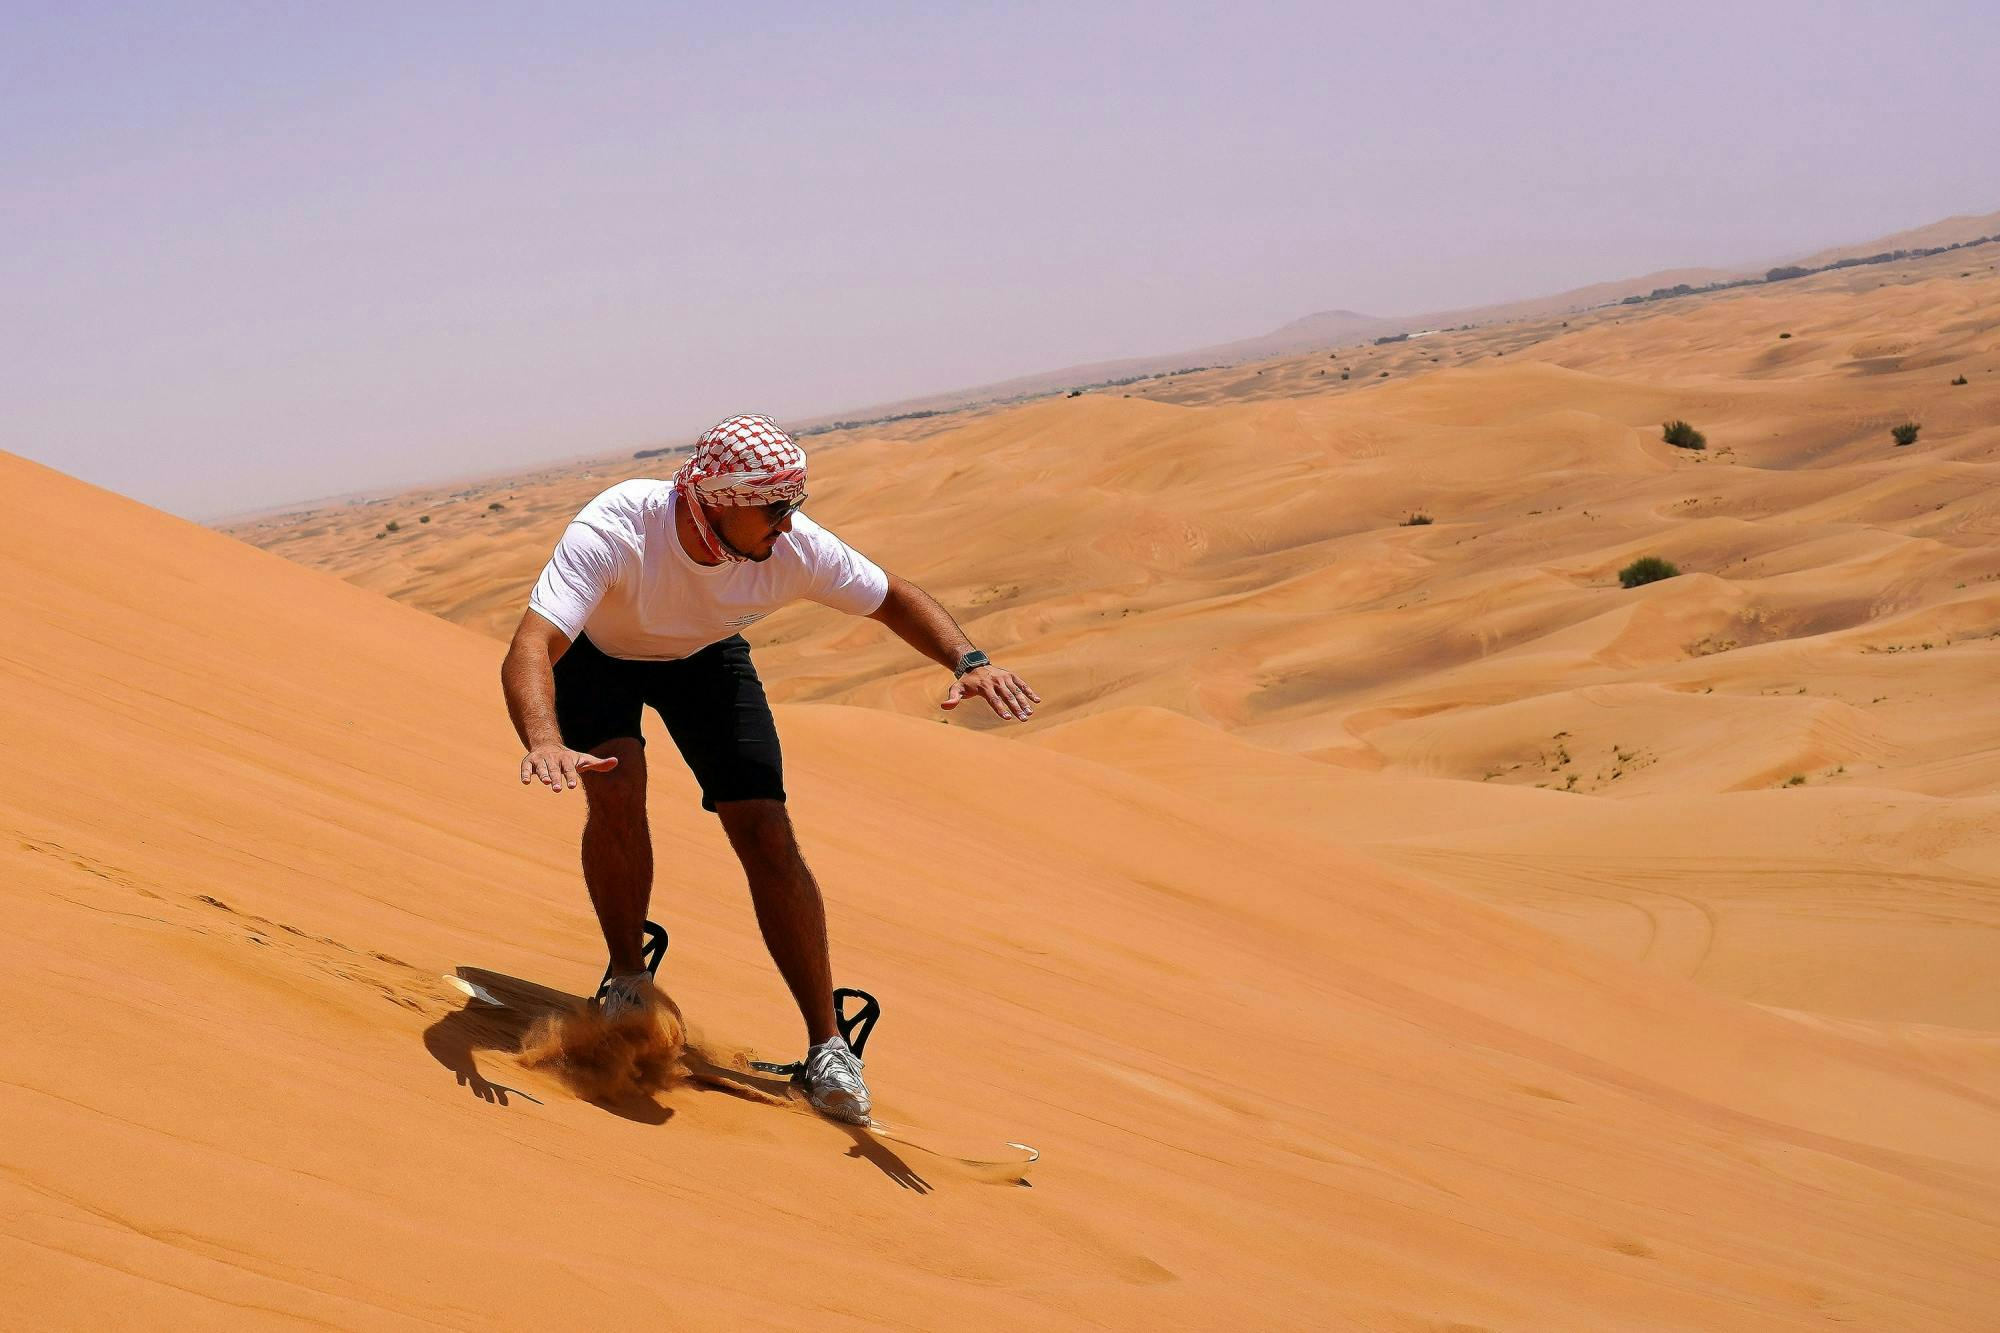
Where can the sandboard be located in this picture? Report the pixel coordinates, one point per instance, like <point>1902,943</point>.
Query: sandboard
<point>1008,1162</point>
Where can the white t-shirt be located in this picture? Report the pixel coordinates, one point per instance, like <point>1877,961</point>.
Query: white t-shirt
<point>621,575</point>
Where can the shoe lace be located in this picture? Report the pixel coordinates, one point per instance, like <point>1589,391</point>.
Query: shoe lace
<point>833,1063</point>
<point>623,992</point>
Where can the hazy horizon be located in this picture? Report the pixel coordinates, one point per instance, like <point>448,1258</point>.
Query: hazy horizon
<point>255,260</point>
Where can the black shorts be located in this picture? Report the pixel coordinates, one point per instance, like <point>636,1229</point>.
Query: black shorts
<point>712,702</point>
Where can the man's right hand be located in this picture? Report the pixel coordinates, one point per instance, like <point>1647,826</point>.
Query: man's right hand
<point>558,765</point>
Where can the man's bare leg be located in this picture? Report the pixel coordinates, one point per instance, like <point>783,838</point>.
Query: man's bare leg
<point>618,852</point>
<point>790,911</point>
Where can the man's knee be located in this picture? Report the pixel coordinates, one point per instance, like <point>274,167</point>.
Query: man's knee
<point>618,793</point>
<point>758,829</point>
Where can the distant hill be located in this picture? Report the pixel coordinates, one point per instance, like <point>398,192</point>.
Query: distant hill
<point>1323,329</point>
<point>1950,231</point>
<point>1332,328</point>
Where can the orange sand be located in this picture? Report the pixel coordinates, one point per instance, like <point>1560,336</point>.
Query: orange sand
<point>1276,931</point>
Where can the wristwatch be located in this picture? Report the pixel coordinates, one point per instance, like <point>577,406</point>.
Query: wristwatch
<point>975,658</point>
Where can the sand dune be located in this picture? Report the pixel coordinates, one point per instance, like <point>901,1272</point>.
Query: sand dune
<point>1858,902</point>
<point>1381,926</point>
<point>1275,1082</point>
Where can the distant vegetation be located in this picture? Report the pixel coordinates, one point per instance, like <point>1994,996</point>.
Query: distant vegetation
<point>425,519</point>
<point>1683,289</point>
<point>1784,335</point>
<point>1905,433</point>
<point>1786,272</point>
<point>1158,375</point>
<point>394,526</point>
<point>1647,569</point>
<point>1417,520</point>
<point>1682,436</point>
<point>496,505</point>
<point>883,421</point>
<point>1011,398</point>
<point>873,421</point>
<point>1960,380</point>
<point>1392,338</point>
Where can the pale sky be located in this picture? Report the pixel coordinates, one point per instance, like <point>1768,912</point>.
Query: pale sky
<point>258,253</point>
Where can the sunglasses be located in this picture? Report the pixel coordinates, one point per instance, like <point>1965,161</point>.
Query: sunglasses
<point>779,510</point>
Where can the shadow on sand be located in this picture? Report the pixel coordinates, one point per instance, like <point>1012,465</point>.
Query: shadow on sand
<point>619,1068</point>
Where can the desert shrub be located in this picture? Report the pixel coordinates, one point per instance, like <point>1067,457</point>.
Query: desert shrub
<point>394,526</point>
<point>1796,780</point>
<point>1682,436</point>
<point>497,505</point>
<point>1784,335</point>
<point>1905,433</point>
<point>425,519</point>
<point>1417,520</point>
<point>1960,380</point>
<point>1647,569</point>
<point>1343,374</point>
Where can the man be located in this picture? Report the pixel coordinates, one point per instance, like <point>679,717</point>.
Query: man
<point>640,605</point>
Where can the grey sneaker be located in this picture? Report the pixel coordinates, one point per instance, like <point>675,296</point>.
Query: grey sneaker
<point>623,995</point>
<point>832,1078</point>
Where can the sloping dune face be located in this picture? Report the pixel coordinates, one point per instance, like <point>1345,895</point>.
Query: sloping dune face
<point>1276,1082</point>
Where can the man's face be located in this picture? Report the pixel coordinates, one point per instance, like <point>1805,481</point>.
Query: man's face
<point>753,529</point>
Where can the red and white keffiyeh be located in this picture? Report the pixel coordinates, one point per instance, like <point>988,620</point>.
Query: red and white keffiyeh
<point>745,460</point>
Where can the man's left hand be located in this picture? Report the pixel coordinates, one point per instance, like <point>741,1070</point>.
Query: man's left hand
<point>1008,693</point>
